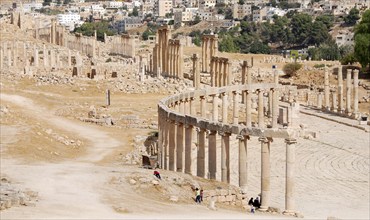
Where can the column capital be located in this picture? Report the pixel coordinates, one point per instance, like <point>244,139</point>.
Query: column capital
<point>243,137</point>
<point>265,139</point>
<point>290,141</point>
<point>188,126</point>
<point>211,132</point>
<point>223,133</point>
<point>200,129</point>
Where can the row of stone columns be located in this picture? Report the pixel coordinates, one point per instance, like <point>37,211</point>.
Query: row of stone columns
<point>220,70</point>
<point>83,44</point>
<point>336,100</point>
<point>11,55</point>
<point>209,50</point>
<point>123,45</point>
<point>175,59</point>
<point>180,160</point>
<point>160,51</point>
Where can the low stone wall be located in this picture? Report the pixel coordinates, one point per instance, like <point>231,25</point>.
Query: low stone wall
<point>226,196</point>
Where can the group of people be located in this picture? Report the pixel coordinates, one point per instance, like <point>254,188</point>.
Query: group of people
<point>198,195</point>
<point>254,204</point>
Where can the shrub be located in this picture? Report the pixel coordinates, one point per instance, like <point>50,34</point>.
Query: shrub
<point>290,69</point>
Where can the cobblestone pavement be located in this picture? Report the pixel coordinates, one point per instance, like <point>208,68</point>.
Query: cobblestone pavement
<point>332,171</point>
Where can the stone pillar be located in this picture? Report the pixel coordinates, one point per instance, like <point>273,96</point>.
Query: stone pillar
<point>348,91</point>
<point>180,62</point>
<point>248,106</point>
<point>203,106</point>
<point>243,163</point>
<point>275,108</point>
<point>326,89</point>
<point>196,73</point>
<point>179,147</point>
<point>224,108</point>
<point>9,58</point>
<point>188,143</point>
<point>201,153</point>
<point>69,58</point>
<point>265,173</point>
<point>36,57</point>
<point>215,108</point>
<point>165,155</point>
<point>1,58</point>
<point>172,134</point>
<point>15,53</point>
<point>355,95</point>
<point>203,55</point>
<point>212,155</point>
<point>334,101</point>
<point>225,157</point>
<point>261,120</point>
<point>289,181</point>
<point>340,90</point>
<point>45,57</point>
<point>319,100</point>
<point>235,108</point>
<point>249,77</point>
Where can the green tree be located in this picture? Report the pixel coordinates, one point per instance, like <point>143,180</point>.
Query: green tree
<point>301,25</point>
<point>327,19</point>
<point>46,2</point>
<point>88,29</point>
<point>352,17</point>
<point>227,44</point>
<point>319,33</point>
<point>362,40</point>
<point>290,69</point>
<point>196,20</point>
<point>135,12</point>
<point>241,2</point>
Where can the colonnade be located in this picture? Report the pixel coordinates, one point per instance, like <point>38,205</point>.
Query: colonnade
<point>160,51</point>
<point>221,74</point>
<point>209,50</point>
<point>24,54</point>
<point>337,100</point>
<point>175,59</point>
<point>178,117</point>
<point>123,44</point>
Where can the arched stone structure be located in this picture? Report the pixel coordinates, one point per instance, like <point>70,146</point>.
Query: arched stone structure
<point>176,125</point>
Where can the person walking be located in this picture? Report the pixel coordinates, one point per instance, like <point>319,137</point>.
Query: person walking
<point>197,195</point>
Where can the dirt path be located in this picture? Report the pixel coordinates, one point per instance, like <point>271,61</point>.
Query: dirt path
<point>78,188</point>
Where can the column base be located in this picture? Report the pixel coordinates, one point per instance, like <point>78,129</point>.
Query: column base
<point>289,212</point>
<point>263,208</point>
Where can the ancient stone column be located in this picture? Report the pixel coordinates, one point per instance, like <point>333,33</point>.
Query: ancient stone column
<point>319,100</point>
<point>289,183</point>
<point>249,77</point>
<point>188,142</point>
<point>244,77</point>
<point>196,73</point>
<point>340,90</point>
<point>212,156</point>
<point>203,106</point>
<point>180,61</point>
<point>326,89</point>
<point>45,57</point>
<point>1,58</point>
<point>276,77</point>
<point>201,153</point>
<point>224,108</point>
<point>334,101</point>
<point>69,58</point>
<point>243,163</point>
<point>215,108</point>
<point>348,91</point>
<point>269,103</point>
<point>206,56</point>
<point>261,120</point>
<point>165,143</point>
<point>203,55</point>
<point>265,173</point>
<point>180,147</point>
<point>9,58</point>
<point>172,136</point>
<point>235,107</point>
<point>275,108</point>
<point>355,95</point>
<point>15,53</point>
<point>248,106</point>
<point>36,57</point>
<point>225,157</point>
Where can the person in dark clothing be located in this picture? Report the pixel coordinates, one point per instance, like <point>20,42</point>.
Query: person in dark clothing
<point>156,173</point>
<point>256,203</point>
<point>250,203</point>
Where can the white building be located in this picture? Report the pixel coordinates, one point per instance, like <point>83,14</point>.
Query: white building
<point>114,4</point>
<point>344,38</point>
<point>97,9</point>
<point>65,19</point>
<point>274,11</point>
<point>164,7</point>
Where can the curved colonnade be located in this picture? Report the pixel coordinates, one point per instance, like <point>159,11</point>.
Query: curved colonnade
<point>179,116</point>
